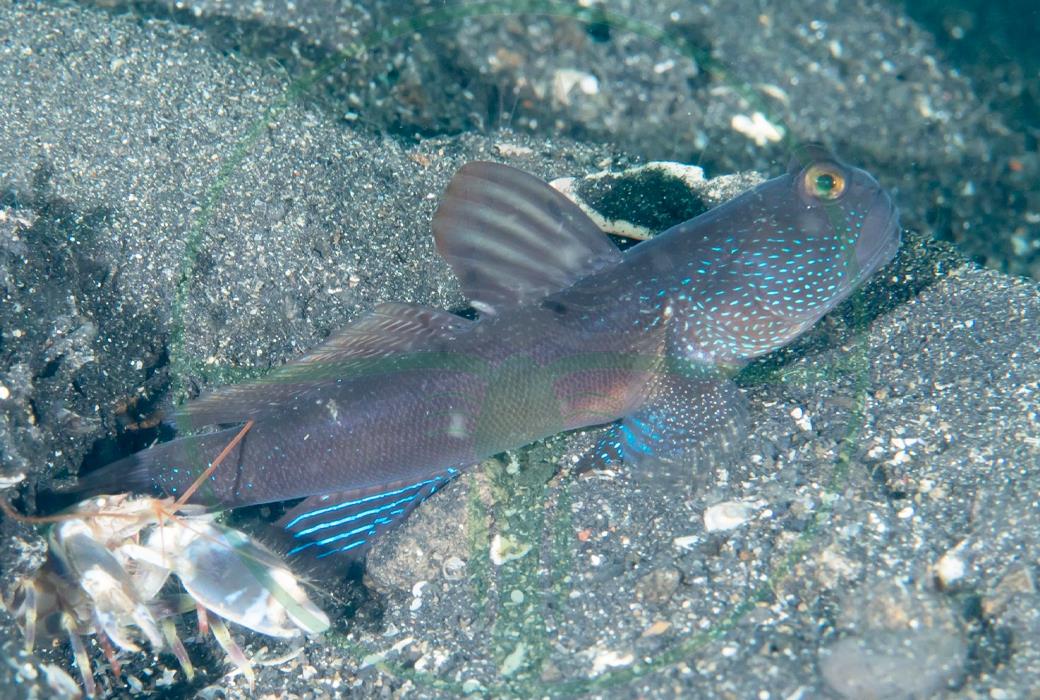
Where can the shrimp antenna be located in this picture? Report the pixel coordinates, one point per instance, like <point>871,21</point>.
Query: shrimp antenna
<point>11,512</point>
<point>190,491</point>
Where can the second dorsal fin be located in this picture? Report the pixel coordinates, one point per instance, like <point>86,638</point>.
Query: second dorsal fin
<point>389,329</point>
<point>512,239</point>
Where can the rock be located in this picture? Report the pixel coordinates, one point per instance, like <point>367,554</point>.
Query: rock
<point>903,644</point>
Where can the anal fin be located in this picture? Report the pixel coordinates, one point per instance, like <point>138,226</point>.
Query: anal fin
<point>348,521</point>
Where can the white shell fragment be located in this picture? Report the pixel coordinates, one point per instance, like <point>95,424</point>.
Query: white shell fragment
<point>757,128</point>
<point>606,659</point>
<point>505,549</point>
<point>687,542</point>
<point>8,481</point>
<point>951,566</point>
<point>950,569</point>
<point>728,515</point>
<point>691,176</point>
<point>568,81</point>
<point>801,419</point>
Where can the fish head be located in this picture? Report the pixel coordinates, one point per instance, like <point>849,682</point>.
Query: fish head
<point>770,263</point>
<point>829,227</point>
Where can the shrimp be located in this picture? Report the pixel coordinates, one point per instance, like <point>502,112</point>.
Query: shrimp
<point>108,563</point>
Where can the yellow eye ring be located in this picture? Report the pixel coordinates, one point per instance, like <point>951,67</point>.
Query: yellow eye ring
<point>824,182</point>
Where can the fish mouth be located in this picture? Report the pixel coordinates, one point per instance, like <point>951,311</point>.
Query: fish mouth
<point>885,243</point>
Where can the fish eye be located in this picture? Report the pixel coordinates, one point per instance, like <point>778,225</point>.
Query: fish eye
<point>824,181</point>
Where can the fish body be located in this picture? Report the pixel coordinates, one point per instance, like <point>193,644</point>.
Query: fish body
<point>571,333</point>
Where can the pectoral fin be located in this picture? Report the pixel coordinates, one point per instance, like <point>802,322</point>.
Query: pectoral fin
<point>689,425</point>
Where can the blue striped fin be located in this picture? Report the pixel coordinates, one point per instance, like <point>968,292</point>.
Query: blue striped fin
<point>687,428</point>
<point>348,521</point>
<point>629,441</point>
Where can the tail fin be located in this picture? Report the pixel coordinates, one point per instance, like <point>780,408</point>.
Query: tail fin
<point>166,469</point>
<point>126,475</point>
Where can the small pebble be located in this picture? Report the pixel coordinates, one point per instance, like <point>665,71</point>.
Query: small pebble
<point>608,659</point>
<point>659,585</point>
<point>802,420</point>
<point>505,549</point>
<point>454,569</point>
<point>471,685</point>
<point>757,128</point>
<point>950,568</point>
<point>512,663</point>
<point>727,515</point>
<point>659,627</point>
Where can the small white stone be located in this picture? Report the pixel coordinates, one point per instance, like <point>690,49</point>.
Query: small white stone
<point>757,128</point>
<point>510,150</point>
<point>432,661</point>
<point>950,568</point>
<point>7,482</point>
<point>5,393</point>
<point>565,80</point>
<point>664,66</point>
<point>470,686</point>
<point>169,677</point>
<point>608,658</point>
<point>504,549</point>
<point>801,419</point>
<point>727,515</point>
<point>900,457</point>
<point>417,591</point>
<point>512,663</point>
<point>686,541</point>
